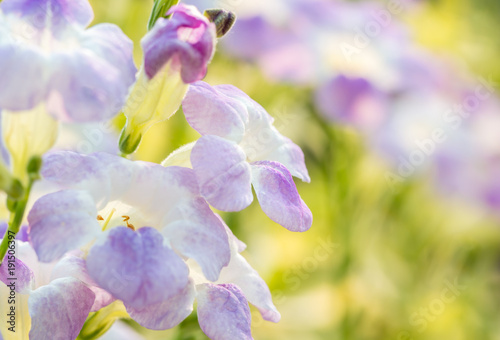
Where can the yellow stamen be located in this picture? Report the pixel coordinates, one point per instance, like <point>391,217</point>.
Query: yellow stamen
<point>108,219</point>
<point>125,219</point>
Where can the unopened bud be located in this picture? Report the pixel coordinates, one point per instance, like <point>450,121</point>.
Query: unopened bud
<point>129,141</point>
<point>223,20</point>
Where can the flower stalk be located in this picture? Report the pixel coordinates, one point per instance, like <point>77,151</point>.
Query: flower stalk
<point>18,208</point>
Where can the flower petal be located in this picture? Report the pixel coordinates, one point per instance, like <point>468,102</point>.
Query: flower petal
<point>50,14</point>
<point>180,156</point>
<point>187,38</point>
<point>197,233</point>
<point>60,222</point>
<point>22,235</point>
<point>222,172</point>
<point>261,140</point>
<point>156,190</point>
<point>59,310</point>
<point>92,84</point>
<point>136,267</point>
<point>102,175</point>
<point>168,313</point>
<point>17,64</point>
<point>212,113</point>
<point>47,55</point>
<point>240,273</point>
<point>289,154</point>
<point>279,197</point>
<point>76,267</point>
<point>223,312</point>
<point>22,277</point>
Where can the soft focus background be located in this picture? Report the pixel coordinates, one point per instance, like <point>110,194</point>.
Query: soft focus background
<point>396,106</point>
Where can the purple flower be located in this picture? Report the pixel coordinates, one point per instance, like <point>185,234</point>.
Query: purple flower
<point>55,298</point>
<point>353,101</point>
<point>104,192</point>
<point>223,311</point>
<point>186,41</point>
<point>240,147</point>
<point>176,52</point>
<point>48,57</point>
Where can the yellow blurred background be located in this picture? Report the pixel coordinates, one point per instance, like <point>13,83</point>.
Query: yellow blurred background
<point>378,263</point>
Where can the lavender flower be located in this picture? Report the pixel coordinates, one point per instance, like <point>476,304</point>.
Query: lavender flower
<point>176,53</point>
<point>240,147</point>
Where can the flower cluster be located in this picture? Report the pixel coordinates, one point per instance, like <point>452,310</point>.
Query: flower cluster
<point>108,235</point>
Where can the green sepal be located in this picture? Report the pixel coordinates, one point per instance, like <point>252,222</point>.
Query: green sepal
<point>101,321</point>
<point>160,9</point>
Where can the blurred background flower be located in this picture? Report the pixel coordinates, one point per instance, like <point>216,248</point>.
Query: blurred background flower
<point>396,106</point>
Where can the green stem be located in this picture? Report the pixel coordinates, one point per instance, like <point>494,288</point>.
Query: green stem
<point>16,218</point>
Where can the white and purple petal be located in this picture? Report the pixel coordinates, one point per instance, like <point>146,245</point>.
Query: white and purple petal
<point>197,233</point>
<point>223,312</point>
<point>59,310</point>
<point>222,172</point>
<point>240,273</point>
<point>211,112</point>
<point>76,267</point>
<point>278,196</point>
<point>166,314</point>
<point>23,277</point>
<point>62,221</point>
<point>136,267</point>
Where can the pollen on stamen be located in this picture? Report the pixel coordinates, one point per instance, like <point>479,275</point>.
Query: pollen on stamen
<point>100,218</point>
<point>129,225</point>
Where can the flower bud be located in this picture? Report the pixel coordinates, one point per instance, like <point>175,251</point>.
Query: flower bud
<point>11,186</point>
<point>223,20</point>
<point>177,52</point>
<point>28,134</point>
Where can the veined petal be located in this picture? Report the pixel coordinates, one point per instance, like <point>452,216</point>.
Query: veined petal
<point>76,267</point>
<point>222,172</point>
<point>279,197</point>
<point>60,222</point>
<point>240,273</point>
<point>197,233</point>
<point>136,267</point>
<point>59,310</point>
<point>23,276</point>
<point>223,312</point>
<point>210,112</point>
<point>166,314</point>
<point>187,40</point>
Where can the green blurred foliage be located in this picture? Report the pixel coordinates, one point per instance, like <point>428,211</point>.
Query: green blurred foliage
<point>393,250</point>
